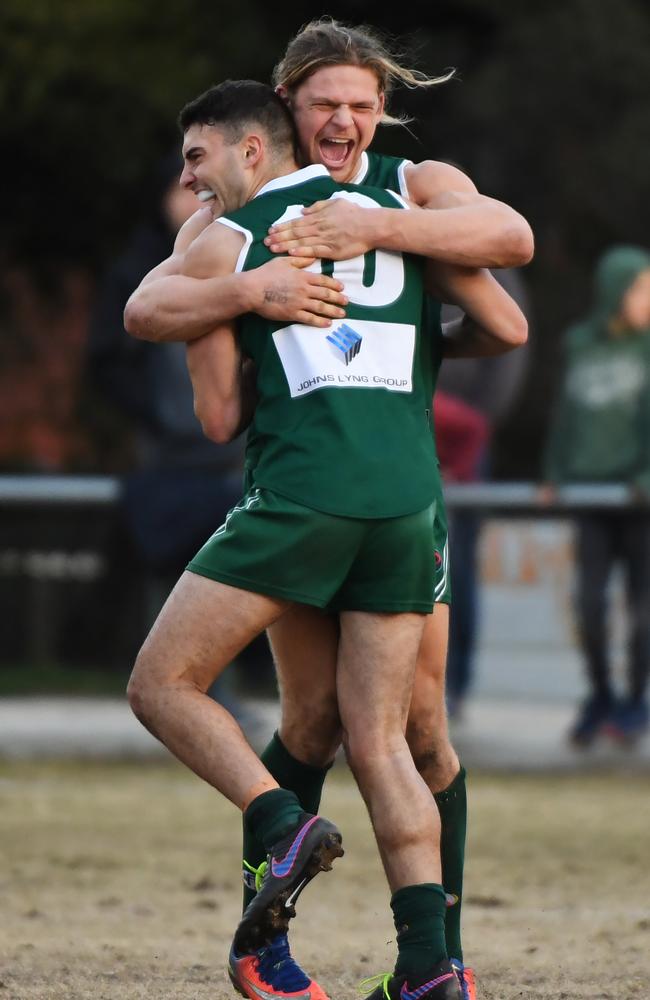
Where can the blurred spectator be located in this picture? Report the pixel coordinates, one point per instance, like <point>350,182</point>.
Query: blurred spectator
<point>600,432</point>
<point>182,485</point>
<point>43,324</point>
<point>473,398</point>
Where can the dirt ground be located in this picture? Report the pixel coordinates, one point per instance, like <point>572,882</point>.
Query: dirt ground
<point>122,881</point>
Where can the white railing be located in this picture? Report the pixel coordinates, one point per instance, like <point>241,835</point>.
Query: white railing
<point>496,498</point>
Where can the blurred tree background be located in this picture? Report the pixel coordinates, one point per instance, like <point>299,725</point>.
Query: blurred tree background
<point>549,111</point>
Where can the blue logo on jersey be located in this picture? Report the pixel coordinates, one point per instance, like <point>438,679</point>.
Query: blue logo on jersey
<point>346,343</point>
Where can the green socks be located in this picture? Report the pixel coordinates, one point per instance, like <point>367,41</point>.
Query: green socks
<point>452,805</point>
<point>420,911</point>
<point>305,781</point>
<point>419,915</point>
<point>271,815</point>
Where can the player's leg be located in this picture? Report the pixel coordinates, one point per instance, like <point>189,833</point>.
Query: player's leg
<point>202,626</point>
<point>304,643</point>
<point>376,663</point>
<point>437,762</point>
<point>260,545</point>
<point>428,737</point>
<point>427,729</point>
<point>389,587</point>
<point>262,961</point>
<point>375,670</point>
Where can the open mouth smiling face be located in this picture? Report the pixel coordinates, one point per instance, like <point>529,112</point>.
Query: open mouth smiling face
<point>335,153</point>
<point>337,110</point>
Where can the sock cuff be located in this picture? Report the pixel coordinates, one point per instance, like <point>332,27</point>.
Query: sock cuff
<point>413,901</point>
<point>277,747</point>
<point>456,788</point>
<point>267,804</point>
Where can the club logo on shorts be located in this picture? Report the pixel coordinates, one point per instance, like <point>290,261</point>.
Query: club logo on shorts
<point>346,343</point>
<point>437,558</point>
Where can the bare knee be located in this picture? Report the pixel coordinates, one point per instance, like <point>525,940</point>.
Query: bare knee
<point>367,748</point>
<point>149,684</point>
<point>427,731</point>
<point>311,733</point>
<point>140,689</point>
<point>432,752</point>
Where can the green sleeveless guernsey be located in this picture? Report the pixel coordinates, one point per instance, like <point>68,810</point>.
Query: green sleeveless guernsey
<point>389,172</point>
<point>342,422</point>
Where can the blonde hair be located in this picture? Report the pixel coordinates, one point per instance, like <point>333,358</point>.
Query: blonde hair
<point>327,42</point>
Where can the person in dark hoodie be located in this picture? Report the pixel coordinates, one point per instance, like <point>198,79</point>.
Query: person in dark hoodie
<point>600,433</point>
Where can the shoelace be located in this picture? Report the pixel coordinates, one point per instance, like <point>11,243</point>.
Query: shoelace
<point>459,969</point>
<point>277,967</point>
<point>258,872</point>
<point>372,982</point>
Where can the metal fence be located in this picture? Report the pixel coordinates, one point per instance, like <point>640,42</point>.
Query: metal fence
<point>62,595</point>
<point>496,499</point>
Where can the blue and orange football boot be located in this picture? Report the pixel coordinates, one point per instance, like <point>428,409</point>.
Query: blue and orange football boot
<point>439,983</point>
<point>292,863</point>
<point>272,972</point>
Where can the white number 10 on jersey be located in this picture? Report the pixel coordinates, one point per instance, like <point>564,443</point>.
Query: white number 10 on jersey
<point>388,279</point>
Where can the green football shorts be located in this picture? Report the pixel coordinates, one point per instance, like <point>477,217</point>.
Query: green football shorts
<point>272,545</point>
<point>442,589</point>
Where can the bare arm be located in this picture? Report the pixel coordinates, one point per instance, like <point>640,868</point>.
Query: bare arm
<point>172,305</point>
<point>493,323</point>
<point>222,379</point>
<point>466,228</point>
<point>223,382</point>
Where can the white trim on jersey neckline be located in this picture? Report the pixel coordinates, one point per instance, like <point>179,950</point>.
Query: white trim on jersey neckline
<point>295,177</point>
<point>362,173</point>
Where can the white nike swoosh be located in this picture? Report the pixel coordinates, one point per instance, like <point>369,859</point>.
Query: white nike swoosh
<point>263,995</point>
<point>296,892</point>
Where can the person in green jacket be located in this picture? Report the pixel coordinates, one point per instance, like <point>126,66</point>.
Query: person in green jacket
<point>600,433</point>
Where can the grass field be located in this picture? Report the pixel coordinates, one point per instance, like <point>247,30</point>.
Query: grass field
<point>121,882</point>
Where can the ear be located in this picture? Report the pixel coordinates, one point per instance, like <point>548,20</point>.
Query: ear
<point>282,92</point>
<point>252,149</point>
<point>382,104</point>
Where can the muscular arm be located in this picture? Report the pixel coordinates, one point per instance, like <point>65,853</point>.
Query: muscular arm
<point>172,305</point>
<point>223,382</point>
<point>222,379</point>
<point>493,323</point>
<point>450,223</point>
